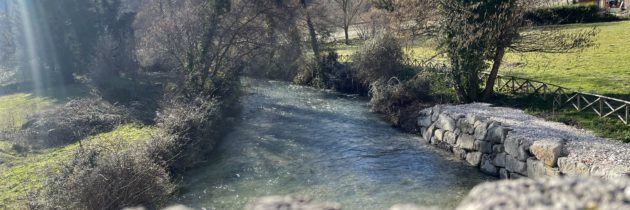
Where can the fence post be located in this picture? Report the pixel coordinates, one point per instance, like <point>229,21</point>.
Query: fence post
<point>627,113</point>
<point>601,106</point>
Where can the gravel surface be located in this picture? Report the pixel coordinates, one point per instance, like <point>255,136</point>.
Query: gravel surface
<point>581,145</point>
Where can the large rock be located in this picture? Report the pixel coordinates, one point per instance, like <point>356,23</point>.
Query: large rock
<point>450,138</point>
<point>288,203</point>
<point>483,146</point>
<point>428,133</point>
<point>504,174</point>
<point>424,119</point>
<point>547,150</point>
<point>445,122</point>
<point>466,125</point>
<point>481,129</point>
<point>517,148</point>
<point>439,134</point>
<point>459,153</point>
<point>537,169</point>
<point>550,194</point>
<point>473,158</point>
<point>609,171</point>
<point>572,167</point>
<point>436,111</point>
<point>487,166</point>
<point>499,159</point>
<point>466,141</point>
<point>514,165</point>
<point>496,133</point>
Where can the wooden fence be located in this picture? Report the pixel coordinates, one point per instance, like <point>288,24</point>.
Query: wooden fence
<point>603,106</point>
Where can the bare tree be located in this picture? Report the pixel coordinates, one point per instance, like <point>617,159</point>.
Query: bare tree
<point>349,9</point>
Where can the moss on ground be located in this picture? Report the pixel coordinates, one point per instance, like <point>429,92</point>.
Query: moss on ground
<point>28,173</point>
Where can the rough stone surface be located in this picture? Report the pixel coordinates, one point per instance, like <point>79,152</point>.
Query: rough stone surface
<point>550,194</point>
<point>466,141</point>
<point>450,138</point>
<point>439,134</point>
<point>496,133</point>
<point>499,159</point>
<point>487,166</point>
<point>480,131</point>
<point>483,146</point>
<point>473,158</point>
<point>511,146</point>
<point>459,153</point>
<point>288,203</point>
<point>428,133</point>
<point>547,150</point>
<point>424,119</point>
<point>497,148</point>
<point>446,122</point>
<point>573,167</point>
<point>514,165</point>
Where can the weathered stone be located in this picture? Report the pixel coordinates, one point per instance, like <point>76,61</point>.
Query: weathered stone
<point>428,133</point>
<point>450,138</point>
<point>503,174</point>
<point>547,150</point>
<point>434,140</point>
<point>424,119</point>
<point>514,165</point>
<point>439,134</point>
<point>436,111</point>
<point>523,152</point>
<point>473,158</point>
<point>499,159</point>
<point>457,131</point>
<point>459,153</point>
<point>481,124</point>
<point>466,125</point>
<point>535,169</point>
<point>497,148</point>
<point>496,133</point>
<point>480,131</point>
<point>445,122</point>
<point>483,146</point>
<point>609,171</point>
<point>511,146</point>
<point>466,141</point>
<point>410,207</point>
<point>573,167</point>
<point>487,166</point>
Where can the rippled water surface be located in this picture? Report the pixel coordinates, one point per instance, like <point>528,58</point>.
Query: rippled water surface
<point>301,141</point>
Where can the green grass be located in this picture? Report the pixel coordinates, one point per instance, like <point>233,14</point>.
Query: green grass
<point>27,173</point>
<point>16,108</point>
<point>604,69</point>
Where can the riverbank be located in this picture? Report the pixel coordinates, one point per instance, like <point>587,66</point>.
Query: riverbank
<point>512,144</point>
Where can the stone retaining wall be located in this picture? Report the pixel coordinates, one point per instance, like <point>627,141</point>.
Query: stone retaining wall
<point>497,148</point>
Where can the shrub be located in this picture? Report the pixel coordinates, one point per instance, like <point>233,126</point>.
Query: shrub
<point>329,73</point>
<point>107,177</point>
<point>75,120</point>
<point>379,58</point>
<point>569,14</point>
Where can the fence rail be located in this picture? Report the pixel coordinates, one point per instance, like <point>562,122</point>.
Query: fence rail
<point>603,106</point>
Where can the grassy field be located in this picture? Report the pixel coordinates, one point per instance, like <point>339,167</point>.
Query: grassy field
<point>604,69</point>
<point>28,173</point>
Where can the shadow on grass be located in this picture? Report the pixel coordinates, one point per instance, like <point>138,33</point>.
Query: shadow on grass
<point>537,105</point>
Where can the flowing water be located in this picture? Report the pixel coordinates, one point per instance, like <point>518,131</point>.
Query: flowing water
<point>301,141</point>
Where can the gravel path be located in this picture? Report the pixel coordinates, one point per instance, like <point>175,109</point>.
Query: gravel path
<point>581,145</point>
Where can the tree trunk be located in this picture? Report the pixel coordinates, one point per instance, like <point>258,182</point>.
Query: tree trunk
<point>498,58</point>
<point>345,30</point>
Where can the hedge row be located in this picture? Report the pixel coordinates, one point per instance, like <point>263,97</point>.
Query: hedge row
<point>570,14</point>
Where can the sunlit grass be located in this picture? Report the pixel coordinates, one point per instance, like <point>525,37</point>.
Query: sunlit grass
<point>604,69</point>
<point>28,173</point>
<point>16,108</point>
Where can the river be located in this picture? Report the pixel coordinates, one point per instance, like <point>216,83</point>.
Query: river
<point>301,141</point>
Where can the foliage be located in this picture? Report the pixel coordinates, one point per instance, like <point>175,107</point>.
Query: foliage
<point>75,120</point>
<point>379,58</point>
<point>28,174</point>
<point>569,14</point>
<point>108,176</point>
<point>15,109</point>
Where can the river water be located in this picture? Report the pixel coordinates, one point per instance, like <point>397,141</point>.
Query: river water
<point>327,146</point>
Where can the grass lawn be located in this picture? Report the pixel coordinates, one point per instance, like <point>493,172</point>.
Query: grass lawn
<point>604,69</point>
<point>28,173</point>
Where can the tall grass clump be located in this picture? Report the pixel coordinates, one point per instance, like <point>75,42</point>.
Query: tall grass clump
<point>380,58</point>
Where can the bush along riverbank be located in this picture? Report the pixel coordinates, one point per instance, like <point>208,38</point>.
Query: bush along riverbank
<point>117,171</point>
